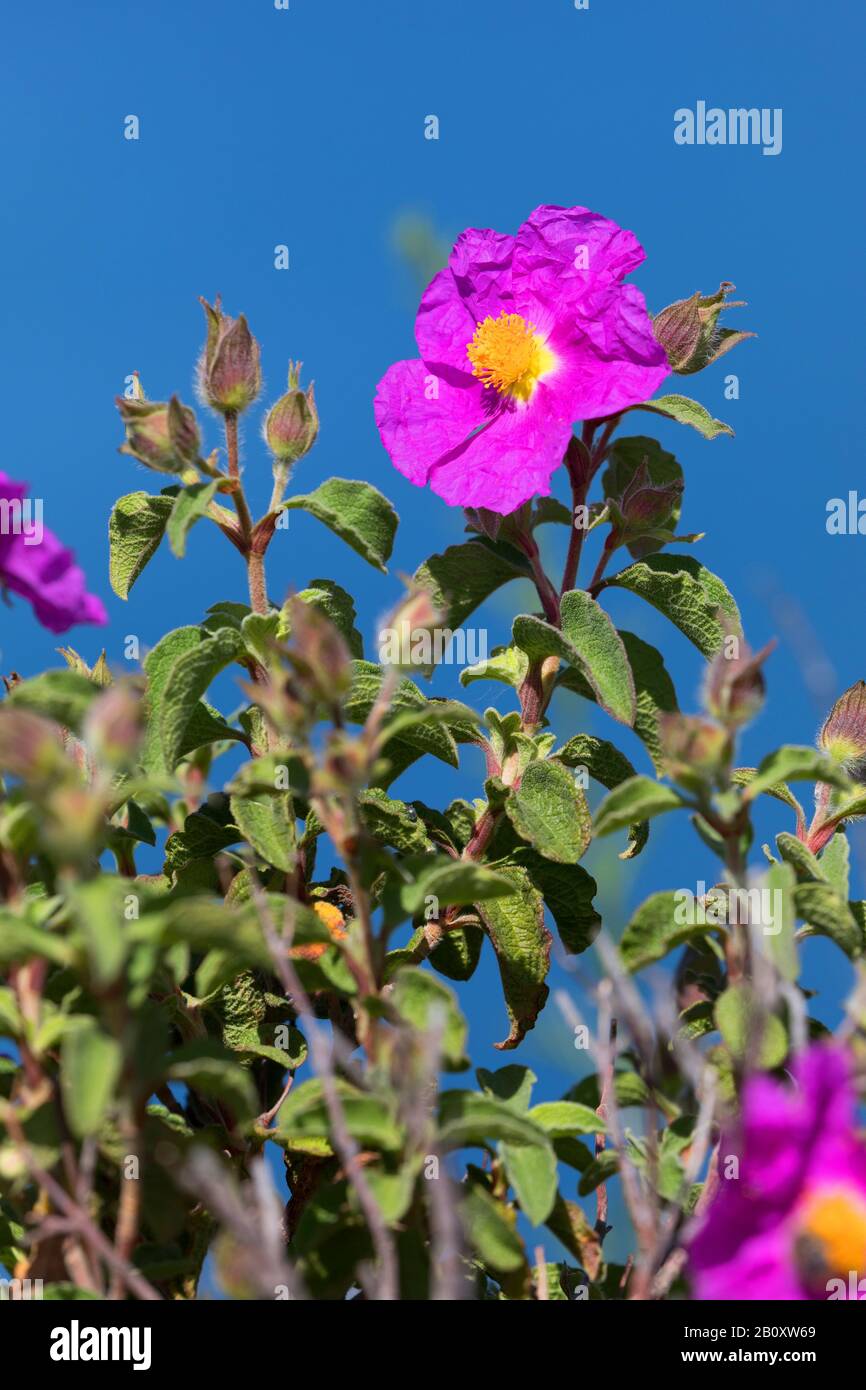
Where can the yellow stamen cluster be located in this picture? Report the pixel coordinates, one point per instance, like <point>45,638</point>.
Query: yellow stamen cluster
<point>833,1223</point>
<point>507,354</point>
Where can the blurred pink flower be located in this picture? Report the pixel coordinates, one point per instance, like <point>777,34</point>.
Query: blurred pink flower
<point>520,336</point>
<point>789,1221</point>
<point>34,564</point>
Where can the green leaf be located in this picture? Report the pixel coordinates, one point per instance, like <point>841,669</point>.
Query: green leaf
<point>411,742</point>
<point>637,799</point>
<point>425,1002</point>
<point>589,641</point>
<point>511,1084</point>
<point>338,605</point>
<point>368,1118</point>
<point>206,1066</point>
<point>563,1118</point>
<point>603,1166</point>
<point>794,764</point>
<point>569,1224</point>
<point>452,881</point>
<point>135,530</point>
<point>394,823</point>
<point>744,776</point>
<point>98,911</point>
<point>602,653</point>
<point>686,412</point>
<point>188,679</point>
<point>835,863</point>
<point>687,593</point>
<point>607,765</point>
<point>63,696</point>
<point>356,512</point>
<point>653,686</point>
<point>549,810</point>
<point>468,1119</point>
<point>463,576</point>
<point>203,725</point>
<point>827,913</point>
<point>795,853</point>
<point>508,665</point>
<point>267,822</point>
<point>515,926</point>
<point>532,1173</point>
<point>738,1016</point>
<point>190,504</point>
<point>654,931</point>
<point>568,892</point>
<point>90,1070</point>
<point>781,941</point>
<point>490,1233</point>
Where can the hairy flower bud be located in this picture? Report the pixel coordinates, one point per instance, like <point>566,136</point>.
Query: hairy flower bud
<point>164,436</point>
<point>230,373</point>
<point>843,736</point>
<point>644,506</point>
<point>292,425</point>
<point>688,331</point>
<point>734,689</point>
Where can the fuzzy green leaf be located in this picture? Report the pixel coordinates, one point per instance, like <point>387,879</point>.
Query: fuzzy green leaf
<point>135,530</point>
<point>687,593</point>
<point>357,512</point>
<point>549,810</point>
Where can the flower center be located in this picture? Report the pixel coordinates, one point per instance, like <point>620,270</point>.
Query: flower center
<point>507,353</point>
<point>831,1235</point>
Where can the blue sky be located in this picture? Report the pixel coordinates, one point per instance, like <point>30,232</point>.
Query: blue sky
<point>260,127</point>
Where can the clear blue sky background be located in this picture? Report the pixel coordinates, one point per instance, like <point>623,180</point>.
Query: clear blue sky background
<point>306,127</point>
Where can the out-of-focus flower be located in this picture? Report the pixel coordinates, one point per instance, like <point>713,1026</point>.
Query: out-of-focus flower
<point>163,436</point>
<point>330,917</point>
<point>230,373</point>
<point>40,569</point>
<point>520,336</point>
<point>789,1221</point>
<point>292,424</point>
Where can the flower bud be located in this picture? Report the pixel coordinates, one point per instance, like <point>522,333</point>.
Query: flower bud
<point>843,736</point>
<point>292,425</point>
<point>113,726</point>
<point>688,331</point>
<point>695,750</point>
<point>734,689</point>
<point>318,653</point>
<point>31,748</point>
<point>163,436</point>
<point>645,506</point>
<point>230,372</point>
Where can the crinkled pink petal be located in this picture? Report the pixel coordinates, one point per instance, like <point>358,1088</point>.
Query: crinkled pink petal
<point>549,254</point>
<point>481,265</point>
<point>509,460</point>
<point>444,325</point>
<point>474,448</point>
<point>586,386</point>
<point>422,417</point>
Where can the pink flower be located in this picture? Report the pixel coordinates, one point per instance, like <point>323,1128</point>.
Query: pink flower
<point>789,1221</point>
<point>519,337</point>
<point>34,564</point>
